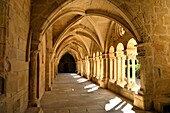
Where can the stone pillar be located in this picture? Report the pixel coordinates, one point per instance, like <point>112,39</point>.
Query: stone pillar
<point>111,67</point>
<point>98,67</point>
<point>128,73</point>
<point>123,58</point>
<point>81,67</point>
<point>48,71</point>
<point>115,70</point>
<point>119,71</point>
<point>52,72</point>
<point>144,97</point>
<point>33,101</point>
<point>94,64</point>
<point>91,68</point>
<point>134,85</point>
<point>105,70</point>
<point>101,65</point>
<point>56,68</point>
<point>84,67</point>
<point>78,67</point>
<point>88,68</point>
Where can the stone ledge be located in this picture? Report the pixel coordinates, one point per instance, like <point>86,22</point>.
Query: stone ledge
<point>121,91</point>
<point>34,110</point>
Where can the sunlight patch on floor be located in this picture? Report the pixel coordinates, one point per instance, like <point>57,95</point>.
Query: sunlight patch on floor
<point>112,103</point>
<point>76,76</point>
<point>89,86</point>
<point>73,74</point>
<point>128,109</point>
<point>81,80</point>
<point>93,89</point>
<point>117,104</point>
<point>118,107</point>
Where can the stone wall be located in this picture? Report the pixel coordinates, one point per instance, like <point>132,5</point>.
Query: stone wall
<point>154,16</point>
<point>14,29</point>
<point>161,44</point>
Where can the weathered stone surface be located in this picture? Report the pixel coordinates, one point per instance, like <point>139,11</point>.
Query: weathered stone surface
<point>167,20</point>
<point>160,29</point>
<point>147,21</point>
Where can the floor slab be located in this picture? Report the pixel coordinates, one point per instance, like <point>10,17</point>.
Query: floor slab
<point>74,94</point>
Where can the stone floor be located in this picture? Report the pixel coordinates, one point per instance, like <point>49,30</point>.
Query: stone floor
<point>74,94</point>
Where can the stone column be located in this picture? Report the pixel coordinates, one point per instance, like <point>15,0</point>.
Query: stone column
<point>88,68</point>
<point>33,101</point>
<point>98,67</point>
<point>115,70</point>
<point>48,71</point>
<point>85,66</point>
<point>134,85</point>
<point>119,71</point>
<point>144,97</point>
<point>77,64</point>
<point>91,67</point>
<point>111,67</point>
<point>101,65</point>
<point>52,72</point>
<point>105,70</point>
<point>128,73</point>
<point>94,64</point>
<point>123,58</point>
<point>78,67</point>
<point>81,67</point>
<point>56,68</point>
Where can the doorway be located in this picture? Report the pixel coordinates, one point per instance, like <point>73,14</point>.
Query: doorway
<point>67,64</point>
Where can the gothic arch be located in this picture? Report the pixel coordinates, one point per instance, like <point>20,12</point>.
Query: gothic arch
<point>39,24</point>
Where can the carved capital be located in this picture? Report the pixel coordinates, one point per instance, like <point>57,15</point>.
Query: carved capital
<point>33,55</point>
<point>7,65</point>
<point>141,50</point>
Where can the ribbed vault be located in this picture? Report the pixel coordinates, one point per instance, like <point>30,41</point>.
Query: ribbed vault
<point>83,27</point>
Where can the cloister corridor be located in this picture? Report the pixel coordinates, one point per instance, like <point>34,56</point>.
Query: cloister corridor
<point>73,93</point>
<point>118,50</point>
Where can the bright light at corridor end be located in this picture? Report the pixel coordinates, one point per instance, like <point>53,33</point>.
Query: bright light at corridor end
<point>117,104</point>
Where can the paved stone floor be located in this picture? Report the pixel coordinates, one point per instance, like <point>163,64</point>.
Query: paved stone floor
<point>74,94</point>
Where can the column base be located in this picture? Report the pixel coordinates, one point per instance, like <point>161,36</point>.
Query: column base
<point>121,83</point>
<point>103,84</point>
<point>143,101</point>
<point>88,77</point>
<point>128,86</point>
<point>97,77</point>
<point>134,85</point>
<point>34,103</point>
<point>49,88</point>
<point>78,73</point>
<point>112,81</point>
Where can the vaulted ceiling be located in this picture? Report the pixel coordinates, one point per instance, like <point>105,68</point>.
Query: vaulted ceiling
<point>82,27</point>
